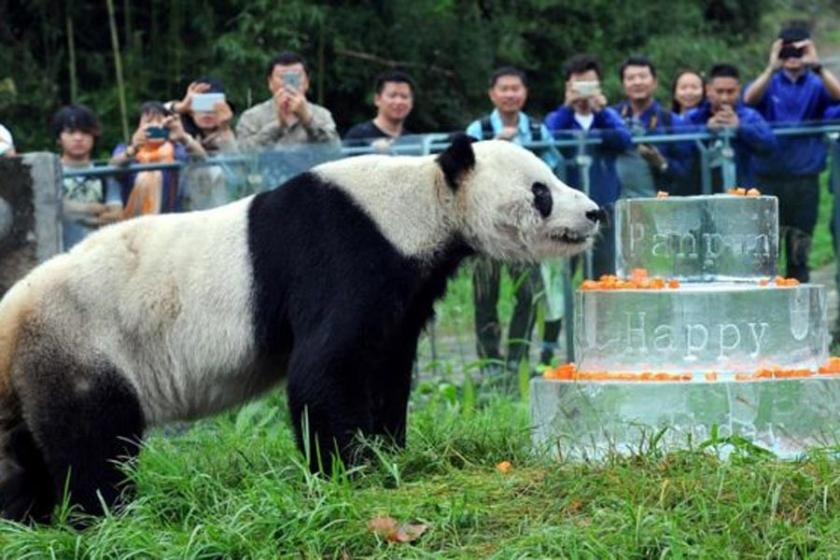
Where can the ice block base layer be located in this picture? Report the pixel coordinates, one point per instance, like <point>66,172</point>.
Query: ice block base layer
<point>588,420</point>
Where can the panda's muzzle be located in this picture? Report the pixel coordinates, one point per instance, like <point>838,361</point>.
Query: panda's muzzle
<point>569,236</point>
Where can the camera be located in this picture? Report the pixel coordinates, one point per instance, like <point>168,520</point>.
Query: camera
<point>206,102</point>
<point>794,32</point>
<point>291,80</point>
<point>586,88</point>
<point>788,50</point>
<point>157,133</point>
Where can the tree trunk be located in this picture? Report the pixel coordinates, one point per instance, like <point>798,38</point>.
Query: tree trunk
<point>115,46</point>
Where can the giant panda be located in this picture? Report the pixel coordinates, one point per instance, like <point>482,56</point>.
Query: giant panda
<point>326,282</point>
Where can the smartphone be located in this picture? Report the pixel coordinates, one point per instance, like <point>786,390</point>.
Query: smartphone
<point>586,88</point>
<point>291,80</point>
<point>206,102</point>
<point>157,133</point>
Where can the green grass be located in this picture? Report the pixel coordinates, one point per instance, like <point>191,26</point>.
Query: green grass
<point>233,487</point>
<point>822,252</point>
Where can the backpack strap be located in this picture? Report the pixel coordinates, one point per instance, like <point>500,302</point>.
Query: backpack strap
<point>536,130</point>
<point>487,129</point>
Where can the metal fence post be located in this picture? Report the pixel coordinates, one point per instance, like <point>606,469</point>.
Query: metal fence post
<point>728,167</point>
<point>834,177</point>
<point>584,162</point>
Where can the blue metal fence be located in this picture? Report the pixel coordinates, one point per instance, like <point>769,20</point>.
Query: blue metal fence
<point>268,169</point>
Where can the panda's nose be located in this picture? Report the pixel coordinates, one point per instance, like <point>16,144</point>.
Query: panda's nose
<point>596,216</point>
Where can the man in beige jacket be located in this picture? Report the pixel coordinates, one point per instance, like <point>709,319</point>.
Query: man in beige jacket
<point>287,118</point>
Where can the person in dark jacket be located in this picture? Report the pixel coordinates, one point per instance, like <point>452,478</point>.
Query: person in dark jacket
<point>724,110</point>
<point>795,89</point>
<point>585,109</point>
<point>647,168</point>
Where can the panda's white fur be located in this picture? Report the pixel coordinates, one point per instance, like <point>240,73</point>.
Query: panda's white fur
<point>171,311</point>
<point>494,213</point>
<point>169,303</point>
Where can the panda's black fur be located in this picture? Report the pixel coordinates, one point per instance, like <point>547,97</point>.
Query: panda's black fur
<point>327,297</point>
<point>375,343</point>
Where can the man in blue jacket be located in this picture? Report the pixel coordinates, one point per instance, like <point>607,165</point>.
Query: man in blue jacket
<point>724,110</point>
<point>646,168</point>
<point>793,90</point>
<point>585,109</point>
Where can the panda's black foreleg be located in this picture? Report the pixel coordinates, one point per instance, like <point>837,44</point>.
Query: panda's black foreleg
<point>329,402</point>
<point>86,422</point>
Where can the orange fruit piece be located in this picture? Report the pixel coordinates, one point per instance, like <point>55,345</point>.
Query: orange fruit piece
<point>753,192</point>
<point>504,467</point>
<point>831,366</point>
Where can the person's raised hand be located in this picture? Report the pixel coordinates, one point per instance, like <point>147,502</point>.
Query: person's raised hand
<point>809,52</point>
<point>185,104</point>
<point>298,105</point>
<point>139,137</point>
<point>572,96</point>
<point>223,113</point>
<point>176,128</point>
<point>597,101</point>
<point>729,117</point>
<point>774,63</point>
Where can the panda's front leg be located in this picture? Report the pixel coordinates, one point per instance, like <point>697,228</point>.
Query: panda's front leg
<point>391,392</point>
<point>330,404</point>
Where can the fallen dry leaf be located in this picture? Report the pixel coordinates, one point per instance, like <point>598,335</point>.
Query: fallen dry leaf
<point>389,529</point>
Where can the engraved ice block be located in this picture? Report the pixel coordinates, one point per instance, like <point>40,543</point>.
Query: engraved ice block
<point>699,238</point>
<point>588,420</point>
<point>725,328</point>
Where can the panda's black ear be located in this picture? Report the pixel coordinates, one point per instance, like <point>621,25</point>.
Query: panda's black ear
<point>458,159</point>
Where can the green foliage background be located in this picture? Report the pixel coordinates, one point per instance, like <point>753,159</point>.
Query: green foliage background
<point>450,46</point>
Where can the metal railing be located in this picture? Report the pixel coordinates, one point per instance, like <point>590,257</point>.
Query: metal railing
<point>711,146</point>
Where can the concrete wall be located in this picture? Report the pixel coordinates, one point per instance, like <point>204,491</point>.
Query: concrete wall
<point>30,207</point>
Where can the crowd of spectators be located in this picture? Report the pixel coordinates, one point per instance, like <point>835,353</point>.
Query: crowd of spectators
<point>794,89</point>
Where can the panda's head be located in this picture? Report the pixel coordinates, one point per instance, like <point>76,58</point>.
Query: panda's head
<point>509,204</point>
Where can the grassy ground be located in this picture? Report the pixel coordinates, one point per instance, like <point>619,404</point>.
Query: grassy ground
<point>822,253</point>
<point>233,487</point>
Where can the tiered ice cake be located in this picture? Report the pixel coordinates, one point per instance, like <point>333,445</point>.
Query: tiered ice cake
<point>718,345</point>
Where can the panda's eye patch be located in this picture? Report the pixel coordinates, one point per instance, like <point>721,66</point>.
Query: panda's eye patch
<point>542,199</point>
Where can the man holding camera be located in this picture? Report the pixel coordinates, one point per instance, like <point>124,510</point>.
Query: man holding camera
<point>288,117</point>
<point>585,109</point>
<point>723,109</point>
<point>794,89</point>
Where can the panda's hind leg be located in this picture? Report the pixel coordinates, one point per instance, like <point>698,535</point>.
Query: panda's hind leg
<point>86,420</point>
<point>26,490</point>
